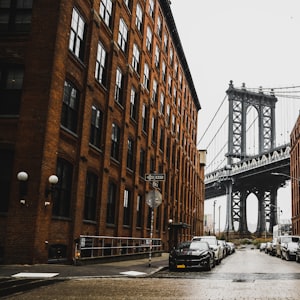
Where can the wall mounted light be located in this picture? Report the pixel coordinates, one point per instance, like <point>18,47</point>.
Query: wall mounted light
<point>22,177</point>
<point>53,180</point>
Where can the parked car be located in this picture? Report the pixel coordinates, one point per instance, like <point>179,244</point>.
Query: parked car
<point>192,254</point>
<point>289,247</point>
<point>262,246</point>
<point>268,248</point>
<point>213,244</point>
<point>297,258</point>
<point>231,247</point>
<point>282,248</point>
<point>273,247</point>
<point>223,248</point>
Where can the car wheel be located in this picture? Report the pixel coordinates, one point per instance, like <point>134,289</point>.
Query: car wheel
<point>209,266</point>
<point>297,258</point>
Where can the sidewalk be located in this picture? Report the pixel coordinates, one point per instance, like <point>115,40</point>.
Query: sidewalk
<point>128,268</point>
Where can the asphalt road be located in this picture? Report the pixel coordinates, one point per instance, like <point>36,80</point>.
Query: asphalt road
<point>247,274</point>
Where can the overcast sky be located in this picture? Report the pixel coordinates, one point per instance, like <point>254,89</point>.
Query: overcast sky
<point>251,41</point>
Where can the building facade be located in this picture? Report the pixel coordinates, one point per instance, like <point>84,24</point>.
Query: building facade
<point>97,93</point>
<point>295,175</point>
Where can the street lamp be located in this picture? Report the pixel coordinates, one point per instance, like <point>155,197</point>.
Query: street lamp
<point>285,175</point>
<point>278,215</point>
<point>214,217</point>
<point>22,177</point>
<point>53,180</point>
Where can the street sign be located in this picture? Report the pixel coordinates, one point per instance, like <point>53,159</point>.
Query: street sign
<point>155,177</point>
<point>154,198</point>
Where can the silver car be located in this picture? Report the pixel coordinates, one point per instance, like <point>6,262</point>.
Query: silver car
<point>213,244</point>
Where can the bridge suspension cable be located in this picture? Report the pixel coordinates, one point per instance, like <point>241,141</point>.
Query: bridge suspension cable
<point>213,118</point>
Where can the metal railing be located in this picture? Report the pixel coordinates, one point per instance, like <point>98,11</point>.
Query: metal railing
<point>88,246</point>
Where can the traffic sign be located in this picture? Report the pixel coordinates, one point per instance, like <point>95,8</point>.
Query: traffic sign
<point>153,198</point>
<point>155,177</point>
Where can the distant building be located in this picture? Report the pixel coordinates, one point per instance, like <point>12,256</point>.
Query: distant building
<point>97,93</point>
<point>295,175</point>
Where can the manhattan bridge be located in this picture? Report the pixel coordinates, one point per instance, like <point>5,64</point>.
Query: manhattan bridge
<point>248,153</point>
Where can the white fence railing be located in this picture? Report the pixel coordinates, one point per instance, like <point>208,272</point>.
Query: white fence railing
<point>104,246</point>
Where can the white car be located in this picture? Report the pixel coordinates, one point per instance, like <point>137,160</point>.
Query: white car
<point>213,244</point>
<point>289,247</point>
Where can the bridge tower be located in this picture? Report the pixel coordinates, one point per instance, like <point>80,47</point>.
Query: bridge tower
<point>240,100</point>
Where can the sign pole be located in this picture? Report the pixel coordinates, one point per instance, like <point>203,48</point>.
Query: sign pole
<point>151,236</point>
<point>153,199</point>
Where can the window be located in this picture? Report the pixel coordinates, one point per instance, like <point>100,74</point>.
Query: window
<point>139,211</point>
<point>11,83</point>
<point>146,76</point>
<point>100,70</point>
<point>91,188</point>
<point>149,39</point>
<point>130,151</point>
<point>173,123</point>
<point>122,36</point>
<point>170,85</point>
<point>159,27</point>
<point>154,90</point>
<point>115,141</point>
<point>142,162</point>
<point>6,162</point>
<point>111,203</point>
<point>62,195</point>
<point>126,207</point>
<point>157,223</point>
<point>168,113</point>
<point>144,117</point>
<point>136,58</point>
<point>153,129</point>
<point>106,11</point>
<point>176,70</point>
<point>162,139</point>
<point>152,164</point>
<point>77,35</point>
<point>15,16</point>
<point>162,103</point>
<point>133,103</point>
<point>96,127</point>
<point>166,38</point>
<point>149,210</point>
<point>69,114</point>
<point>163,72</point>
<point>119,87</point>
<point>157,55</point>
<point>171,56</point>
<point>175,95</point>
<point>139,18</point>
<point>151,8</point>
<point>128,3</point>
<point>178,131</point>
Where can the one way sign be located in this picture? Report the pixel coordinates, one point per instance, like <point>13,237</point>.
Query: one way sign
<point>155,177</point>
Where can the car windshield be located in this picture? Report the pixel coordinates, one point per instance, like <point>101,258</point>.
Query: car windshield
<point>288,239</point>
<point>199,245</point>
<point>209,241</point>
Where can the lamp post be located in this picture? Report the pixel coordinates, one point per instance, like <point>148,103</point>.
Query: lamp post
<point>214,217</point>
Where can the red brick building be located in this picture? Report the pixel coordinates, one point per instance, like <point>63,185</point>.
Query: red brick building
<point>295,174</point>
<point>98,93</point>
